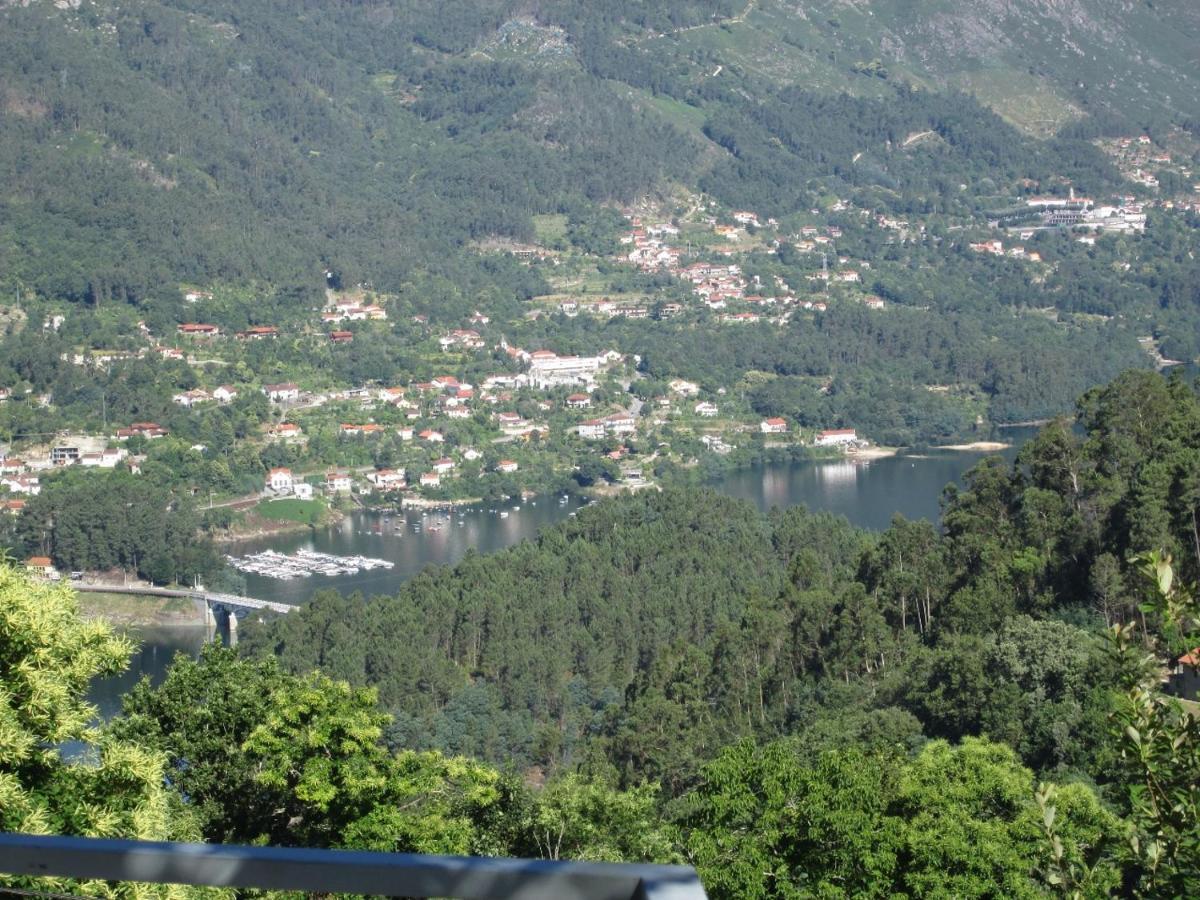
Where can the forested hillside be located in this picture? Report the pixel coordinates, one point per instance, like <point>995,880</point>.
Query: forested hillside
<point>155,142</point>
<point>786,702</point>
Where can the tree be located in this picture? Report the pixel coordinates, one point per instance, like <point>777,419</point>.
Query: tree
<point>907,571</point>
<point>579,818</point>
<point>320,748</point>
<point>1159,743</point>
<point>48,657</point>
<point>765,822</point>
<point>199,718</point>
<point>262,756</point>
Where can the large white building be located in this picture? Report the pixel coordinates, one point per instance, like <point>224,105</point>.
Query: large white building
<point>836,437</point>
<point>548,369</point>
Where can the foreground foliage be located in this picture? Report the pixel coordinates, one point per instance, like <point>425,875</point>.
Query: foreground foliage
<point>112,787</point>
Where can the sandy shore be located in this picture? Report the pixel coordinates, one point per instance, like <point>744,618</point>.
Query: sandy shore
<point>977,446</point>
<point>872,453</point>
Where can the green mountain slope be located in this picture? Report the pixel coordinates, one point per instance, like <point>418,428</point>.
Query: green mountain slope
<point>150,143</point>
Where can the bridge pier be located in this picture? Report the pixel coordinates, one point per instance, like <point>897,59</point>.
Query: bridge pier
<point>233,629</point>
<point>210,618</point>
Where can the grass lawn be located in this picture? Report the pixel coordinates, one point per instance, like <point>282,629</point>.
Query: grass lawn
<point>550,228</point>
<point>308,512</point>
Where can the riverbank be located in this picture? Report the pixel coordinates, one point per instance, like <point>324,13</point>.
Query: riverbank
<point>254,526</point>
<point>134,611</point>
<point>976,447</point>
<point>423,503</point>
<point>872,452</point>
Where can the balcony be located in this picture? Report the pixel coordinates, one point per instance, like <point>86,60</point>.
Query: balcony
<point>341,871</point>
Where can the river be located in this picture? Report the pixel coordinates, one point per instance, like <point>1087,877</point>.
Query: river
<point>868,493</point>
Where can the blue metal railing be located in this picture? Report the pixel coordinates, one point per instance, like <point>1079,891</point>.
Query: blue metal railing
<point>342,871</point>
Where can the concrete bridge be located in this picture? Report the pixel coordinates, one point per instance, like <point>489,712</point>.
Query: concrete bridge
<point>230,606</point>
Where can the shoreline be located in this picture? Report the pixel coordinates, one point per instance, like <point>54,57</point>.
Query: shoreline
<point>872,452</point>
<point>422,503</point>
<point>263,528</point>
<point>976,447</point>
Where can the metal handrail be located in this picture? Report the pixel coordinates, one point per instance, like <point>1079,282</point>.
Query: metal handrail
<point>342,871</point>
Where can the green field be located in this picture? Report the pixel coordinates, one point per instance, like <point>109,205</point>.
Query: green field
<point>550,228</point>
<point>308,512</point>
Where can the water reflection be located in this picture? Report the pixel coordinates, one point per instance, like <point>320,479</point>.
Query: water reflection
<point>868,493</point>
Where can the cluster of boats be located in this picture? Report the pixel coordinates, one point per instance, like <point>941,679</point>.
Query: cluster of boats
<point>304,563</point>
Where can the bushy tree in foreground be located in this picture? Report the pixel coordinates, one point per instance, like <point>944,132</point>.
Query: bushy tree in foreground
<point>113,788</point>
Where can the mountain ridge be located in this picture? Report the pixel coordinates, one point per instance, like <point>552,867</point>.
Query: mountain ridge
<point>153,143</point>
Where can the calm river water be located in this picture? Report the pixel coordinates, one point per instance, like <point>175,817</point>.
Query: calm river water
<point>867,493</point>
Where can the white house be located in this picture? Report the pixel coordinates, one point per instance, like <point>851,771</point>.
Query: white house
<point>285,431</point>
<point>547,369</point>
<point>282,393</point>
<point>22,484</point>
<point>620,423</point>
<point>191,398</point>
<point>591,429</point>
<point>444,466</point>
<point>226,393</point>
<point>337,482</point>
<point>302,490</point>
<point>684,388</point>
<point>431,479</point>
<point>773,426</point>
<point>280,480</point>
<point>506,465</point>
<point>387,479</point>
<point>706,409</point>
<point>510,422</point>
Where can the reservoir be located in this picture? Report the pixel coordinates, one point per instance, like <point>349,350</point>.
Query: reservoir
<point>868,493</point>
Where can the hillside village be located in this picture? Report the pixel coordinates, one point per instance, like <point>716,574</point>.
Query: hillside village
<point>499,419</point>
<point>448,431</point>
